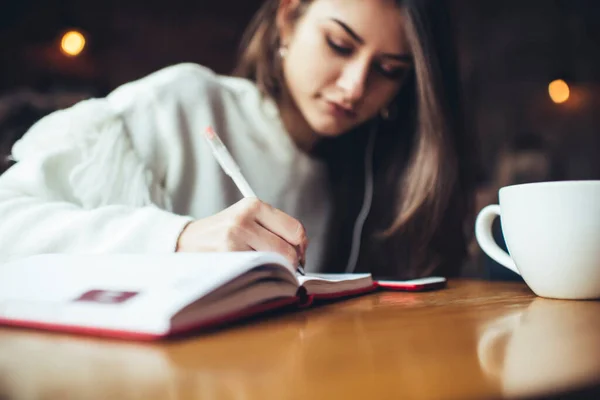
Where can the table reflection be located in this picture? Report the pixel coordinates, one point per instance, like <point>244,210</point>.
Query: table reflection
<point>37,365</point>
<point>552,345</point>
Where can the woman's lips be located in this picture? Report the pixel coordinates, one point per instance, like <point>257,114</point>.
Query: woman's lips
<point>339,111</point>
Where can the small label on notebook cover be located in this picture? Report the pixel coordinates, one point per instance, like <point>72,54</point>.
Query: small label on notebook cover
<point>106,296</point>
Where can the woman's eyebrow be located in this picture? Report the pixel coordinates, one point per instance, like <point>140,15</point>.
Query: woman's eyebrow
<point>407,58</point>
<point>349,31</point>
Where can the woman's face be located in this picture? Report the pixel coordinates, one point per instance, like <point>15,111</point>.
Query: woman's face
<point>345,61</point>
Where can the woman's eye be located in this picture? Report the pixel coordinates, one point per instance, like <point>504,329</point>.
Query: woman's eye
<point>339,48</point>
<point>391,73</point>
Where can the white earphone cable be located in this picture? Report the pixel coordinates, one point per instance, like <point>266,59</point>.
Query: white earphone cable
<point>366,206</point>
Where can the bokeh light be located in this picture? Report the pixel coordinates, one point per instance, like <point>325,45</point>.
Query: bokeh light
<point>72,43</point>
<point>559,91</point>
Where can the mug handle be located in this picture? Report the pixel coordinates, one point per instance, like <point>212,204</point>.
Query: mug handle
<point>483,233</point>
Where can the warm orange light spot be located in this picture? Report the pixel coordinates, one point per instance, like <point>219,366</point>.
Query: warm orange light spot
<point>72,43</point>
<point>559,91</point>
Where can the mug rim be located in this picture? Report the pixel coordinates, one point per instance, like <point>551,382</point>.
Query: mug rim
<point>587,182</point>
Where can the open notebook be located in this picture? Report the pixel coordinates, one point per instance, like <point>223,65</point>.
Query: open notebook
<point>153,296</point>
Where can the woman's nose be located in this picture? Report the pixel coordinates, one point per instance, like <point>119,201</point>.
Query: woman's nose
<point>353,80</point>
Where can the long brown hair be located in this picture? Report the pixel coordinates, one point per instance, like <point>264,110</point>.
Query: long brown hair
<point>422,166</point>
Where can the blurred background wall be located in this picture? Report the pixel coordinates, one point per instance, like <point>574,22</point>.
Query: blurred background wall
<point>511,52</point>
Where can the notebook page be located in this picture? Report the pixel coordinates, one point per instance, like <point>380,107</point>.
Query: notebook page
<point>124,291</point>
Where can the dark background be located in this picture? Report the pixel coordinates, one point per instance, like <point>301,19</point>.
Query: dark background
<point>509,52</point>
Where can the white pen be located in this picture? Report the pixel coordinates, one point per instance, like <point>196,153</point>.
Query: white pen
<point>227,162</point>
<point>231,168</point>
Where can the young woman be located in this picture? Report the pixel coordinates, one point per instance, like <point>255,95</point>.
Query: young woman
<point>343,116</point>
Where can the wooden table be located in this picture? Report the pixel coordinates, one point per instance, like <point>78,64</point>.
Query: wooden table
<point>475,339</point>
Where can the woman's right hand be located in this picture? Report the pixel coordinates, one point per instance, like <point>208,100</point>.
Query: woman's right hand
<point>249,224</point>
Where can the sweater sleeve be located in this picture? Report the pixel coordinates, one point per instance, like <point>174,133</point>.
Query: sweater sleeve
<point>89,179</point>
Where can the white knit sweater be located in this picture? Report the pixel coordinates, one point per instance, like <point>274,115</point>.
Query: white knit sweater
<point>125,173</point>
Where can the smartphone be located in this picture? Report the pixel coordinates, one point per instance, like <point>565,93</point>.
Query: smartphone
<point>412,285</point>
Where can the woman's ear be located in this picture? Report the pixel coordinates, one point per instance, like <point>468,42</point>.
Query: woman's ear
<point>285,19</point>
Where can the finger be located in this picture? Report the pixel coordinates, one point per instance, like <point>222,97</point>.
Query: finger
<point>286,227</point>
<point>261,239</point>
<point>304,247</point>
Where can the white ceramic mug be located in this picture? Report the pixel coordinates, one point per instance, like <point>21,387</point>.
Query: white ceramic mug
<point>552,232</point>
